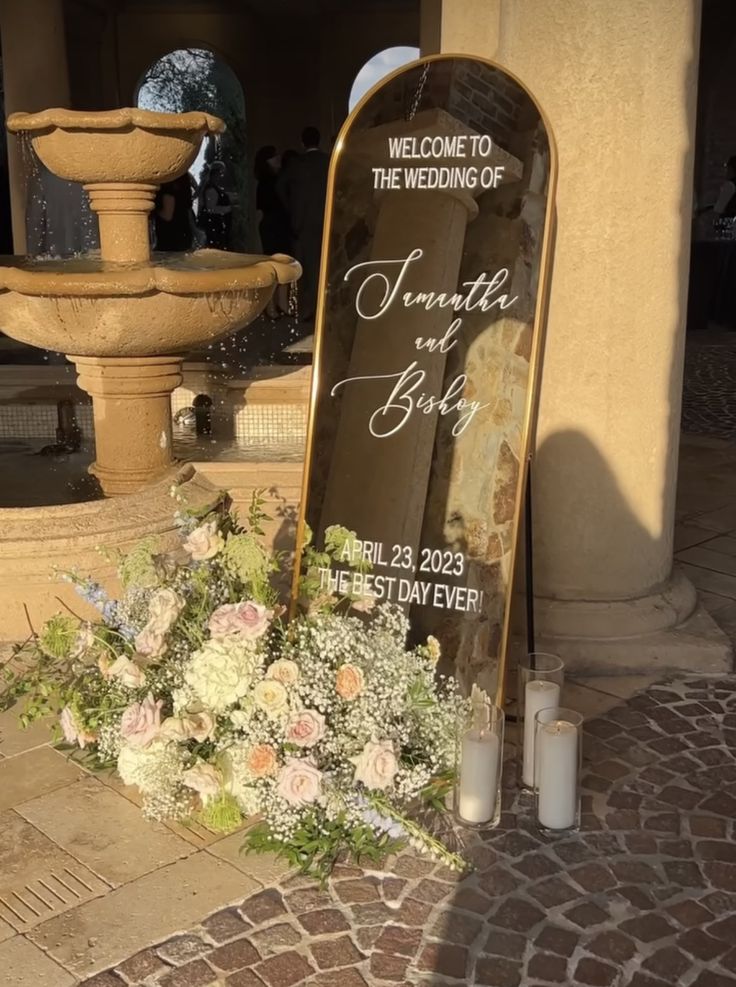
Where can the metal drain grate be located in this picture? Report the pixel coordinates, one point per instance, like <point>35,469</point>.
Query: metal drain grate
<point>26,905</point>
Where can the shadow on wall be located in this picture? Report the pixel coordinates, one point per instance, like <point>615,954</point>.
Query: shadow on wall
<point>579,475</point>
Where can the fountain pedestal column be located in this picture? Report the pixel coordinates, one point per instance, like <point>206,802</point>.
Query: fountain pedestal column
<point>132,416</point>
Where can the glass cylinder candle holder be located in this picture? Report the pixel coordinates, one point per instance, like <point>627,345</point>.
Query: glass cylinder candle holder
<point>541,678</point>
<point>477,796</point>
<point>558,753</point>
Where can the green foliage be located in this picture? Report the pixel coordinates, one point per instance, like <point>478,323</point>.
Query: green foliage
<point>245,559</point>
<point>58,636</point>
<point>314,849</point>
<point>340,548</point>
<point>221,815</point>
<point>138,567</point>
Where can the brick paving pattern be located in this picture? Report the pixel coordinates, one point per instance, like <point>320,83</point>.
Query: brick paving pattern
<point>644,896</point>
<point>709,387</point>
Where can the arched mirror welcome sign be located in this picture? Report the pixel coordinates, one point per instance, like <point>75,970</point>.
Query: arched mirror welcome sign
<point>428,346</point>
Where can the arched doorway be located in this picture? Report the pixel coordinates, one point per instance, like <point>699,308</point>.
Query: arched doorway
<point>197,79</point>
<point>380,65</point>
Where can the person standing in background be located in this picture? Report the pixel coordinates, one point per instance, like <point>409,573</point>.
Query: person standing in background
<point>216,213</point>
<point>305,191</point>
<point>173,217</point>
<point>273,220</point>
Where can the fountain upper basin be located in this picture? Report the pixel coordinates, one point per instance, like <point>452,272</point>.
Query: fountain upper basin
<point>127,145</point>
<point>168,305</point>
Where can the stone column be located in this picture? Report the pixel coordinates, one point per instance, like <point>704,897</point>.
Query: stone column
<point>35,77</point>
<point>132,416</point>
<point>618,83</point>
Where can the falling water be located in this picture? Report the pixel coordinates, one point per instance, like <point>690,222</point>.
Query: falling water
<point>59,221</point>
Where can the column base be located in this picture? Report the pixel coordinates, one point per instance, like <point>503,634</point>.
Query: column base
<point>115,483</point>
<point>663,632</point>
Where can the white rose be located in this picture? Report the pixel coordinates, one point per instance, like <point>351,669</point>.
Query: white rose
<point>150,642</point>
<point>201,726</point>
<point>204,779</point>
<point>174,729</point>
<point>271,696</point>
<point>190,726</point>
<point>163,608</point>
<point>204,542</point>
<point>221,672</point>
<point>376,765</point>
<point>284,671</point>
<point>127,672</point>
<point>299,782</point>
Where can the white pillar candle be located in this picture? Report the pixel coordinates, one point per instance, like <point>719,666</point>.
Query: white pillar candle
<point>479,760</point>
<point>539,694</point>
<point>557,779</point>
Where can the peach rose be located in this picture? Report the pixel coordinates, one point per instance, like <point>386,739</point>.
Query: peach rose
<point>376,765</point>
<point>299,782</point>
<point>284,671</point>
<point>248,619</point>
<point>349,681</point>
<point>305,728</point>
<point>261,761</point>
<point>141,722</point>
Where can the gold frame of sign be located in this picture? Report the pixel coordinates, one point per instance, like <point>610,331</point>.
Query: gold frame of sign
<point>494,637</point>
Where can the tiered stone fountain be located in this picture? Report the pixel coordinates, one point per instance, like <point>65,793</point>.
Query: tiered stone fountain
<point>126,318</point>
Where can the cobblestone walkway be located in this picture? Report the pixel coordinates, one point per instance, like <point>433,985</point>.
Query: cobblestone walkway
<point>709,388</point>
<point>644,896</point>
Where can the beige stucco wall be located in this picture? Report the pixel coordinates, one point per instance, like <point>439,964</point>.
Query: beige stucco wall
<point>618,83</point>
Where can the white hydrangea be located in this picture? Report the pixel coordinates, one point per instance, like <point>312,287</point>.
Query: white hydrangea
<point>221,672</point>
<point>153,769</point>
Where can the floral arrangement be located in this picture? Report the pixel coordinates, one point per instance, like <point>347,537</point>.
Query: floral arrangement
<point>196,690</point>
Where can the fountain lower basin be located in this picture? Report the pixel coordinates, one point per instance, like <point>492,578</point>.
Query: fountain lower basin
<point>170,304</point>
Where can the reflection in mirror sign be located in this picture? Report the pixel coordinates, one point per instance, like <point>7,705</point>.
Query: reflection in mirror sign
<point>427,358</point>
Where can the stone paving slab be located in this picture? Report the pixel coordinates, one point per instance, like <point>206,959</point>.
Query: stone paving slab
<point>104,831</point>
<point>643,896</point>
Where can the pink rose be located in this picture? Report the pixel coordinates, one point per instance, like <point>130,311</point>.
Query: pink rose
<point>74,732</point>
<point>141,722</point>
<point>299,782</point>
<point>376,764</point>
<point>150,643</point>
<point>248,619</point>
<point>305,728</point>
